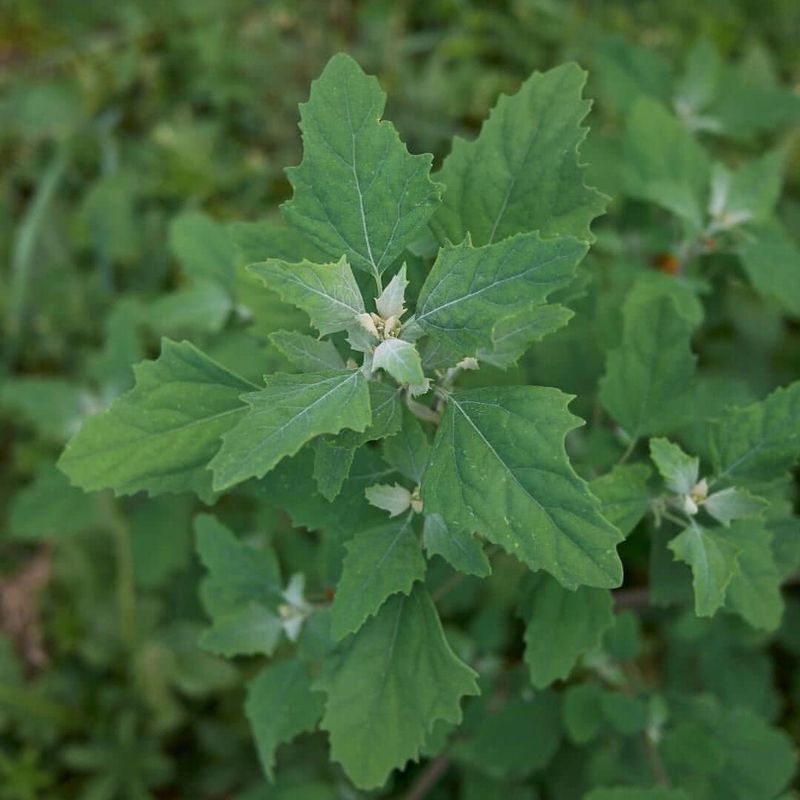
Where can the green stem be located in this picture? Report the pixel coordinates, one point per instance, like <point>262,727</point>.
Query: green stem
<point>126,587</point>
<point>628,452</point>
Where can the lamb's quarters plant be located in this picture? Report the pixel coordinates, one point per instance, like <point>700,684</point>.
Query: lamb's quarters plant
<point>399,432</point>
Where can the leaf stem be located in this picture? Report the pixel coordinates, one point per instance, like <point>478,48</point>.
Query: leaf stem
<point>126,588</point>
<point>628,451</point>
<point>428,778</point>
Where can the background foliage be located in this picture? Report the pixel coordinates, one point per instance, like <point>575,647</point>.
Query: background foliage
<point>134,139</point>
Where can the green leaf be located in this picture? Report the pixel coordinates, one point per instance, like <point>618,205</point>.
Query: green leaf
<point>247,631</point>
<point>759,441</point>
<point>458,547</point>
<point>400,359</point>
<point>664,164</point>
<point>498,465</point>
<point>53,407</point>
<point>289,411</point>
<point>159,436</point>
<point>392,300</point>
<point>203,306</point>
<point>394,499</point>
<point>624,495</point>
<point>328,293</point>
<point>280,705</point>
<point>713,557</point>
<point>513,335</point>
<point>771,260</point>
<point>732,503</point>
<point>583,712</point>
<point>357,192</point>
<point>408,453</point>
<point>51,507</point>
<point>761,760</point>
<point>271,238</point>
<point>331,466</point>
<point>522,172</point>
<point>634,793</point>
<point>679,470</point>
<point>747,194</point>
<point>388,685</point>
<point>387,416</point>
<point>646,387</point>
<point>307,353</point>
<point>379,563</point>
<point>755,590</point>
<point>203,248</point>
<point>562,626</point>
<point>240,593</point>
<point>469,289</point>
<point>512,739</point>
<point>238,573</point>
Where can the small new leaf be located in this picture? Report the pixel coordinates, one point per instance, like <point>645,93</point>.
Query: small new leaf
<point>392,301</point>
<point>394,499</point>
<point>400,359</point>
<point>679,470</point>
<point>732,503</point>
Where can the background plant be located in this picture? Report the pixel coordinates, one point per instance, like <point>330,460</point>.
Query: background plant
<point>115,613</point>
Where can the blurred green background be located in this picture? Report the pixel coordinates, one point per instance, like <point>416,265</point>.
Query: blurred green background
<point>116,119</point>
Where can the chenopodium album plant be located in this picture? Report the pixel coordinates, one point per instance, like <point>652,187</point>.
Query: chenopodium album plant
<point>412,284</point>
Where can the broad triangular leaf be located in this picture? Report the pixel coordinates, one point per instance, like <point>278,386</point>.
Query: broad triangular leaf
<point>280,705</point>
<point>238,573</point>
<point>469,289</point>
<point>771,260</point>
<point>358,192</point>
<point>379,563</point>
<point>499,466</point>
<point>387,686</point>
<point>328,293</point>
<point>755,590</point>
<point>522,172</point>
<point>289,411</point>
<point>562,626</point>
<point>713,557</point>
<point>648,377</point>
<point>160,436</point>
<point>759,441</point>
<point>664,164</point>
